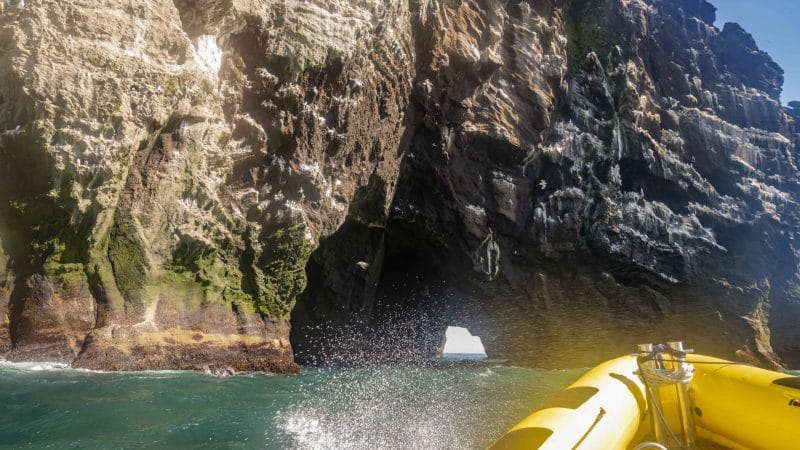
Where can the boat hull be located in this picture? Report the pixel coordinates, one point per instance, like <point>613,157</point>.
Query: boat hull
<point>734,405</point>
<point>603,409</point>
<point>745,407</point>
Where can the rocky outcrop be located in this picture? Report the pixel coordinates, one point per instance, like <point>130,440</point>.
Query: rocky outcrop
<point>181,161</point>
<point>584,175</point>
<point>174,175</point>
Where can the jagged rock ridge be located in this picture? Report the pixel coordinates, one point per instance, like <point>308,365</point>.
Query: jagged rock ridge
<point>567,173</point>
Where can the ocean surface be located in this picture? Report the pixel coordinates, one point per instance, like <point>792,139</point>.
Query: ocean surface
<point>44,406</point>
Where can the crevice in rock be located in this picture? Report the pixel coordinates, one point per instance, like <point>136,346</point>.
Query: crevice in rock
<point>15,305</point>
<point>39,228</point>
<point>198,15</point>
<point>636,177</point>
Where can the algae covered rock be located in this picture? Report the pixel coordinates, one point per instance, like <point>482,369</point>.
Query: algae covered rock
<point>165,175</point>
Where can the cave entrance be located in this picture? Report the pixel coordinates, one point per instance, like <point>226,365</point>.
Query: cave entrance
<point>374,295</point>
<point>459,344</point>
<point>387,295</point>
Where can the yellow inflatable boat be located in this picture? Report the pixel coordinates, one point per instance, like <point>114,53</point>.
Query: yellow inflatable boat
<point>666,398</point>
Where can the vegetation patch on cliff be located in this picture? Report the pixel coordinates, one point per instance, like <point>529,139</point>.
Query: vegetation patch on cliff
<point>283,265</point>
<point>34,220</point>
<point>586,28</point>
<point>128,259</point>
<point>207,269</point>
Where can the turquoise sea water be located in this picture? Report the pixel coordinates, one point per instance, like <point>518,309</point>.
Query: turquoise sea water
<point>388,407</point>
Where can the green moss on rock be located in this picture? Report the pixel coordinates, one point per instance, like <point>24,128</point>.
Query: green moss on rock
<point>36,210</point>
<point>180,288</point>
<point>211,272</point>
<point>587,31</point>
<point>282,270</point>
<point>69,280</point>
<point>99,272</point>
<point>128,259</point>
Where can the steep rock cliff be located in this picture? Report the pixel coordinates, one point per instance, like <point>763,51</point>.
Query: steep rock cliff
<point>584,175</point>
<point>174,174</point>
<point>168,167</point>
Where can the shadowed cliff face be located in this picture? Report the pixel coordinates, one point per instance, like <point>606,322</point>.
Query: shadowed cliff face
<point>583,176</point>
<point>180,178</point>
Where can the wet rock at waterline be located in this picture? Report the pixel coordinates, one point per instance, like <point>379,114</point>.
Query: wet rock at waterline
<point>204,179</point>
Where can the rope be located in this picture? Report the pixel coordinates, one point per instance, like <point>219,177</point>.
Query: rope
<point>717,363</point>
<point>656,377</point>
<point>660,416</point>
<point>645,445</point>
<point>594,424</point>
